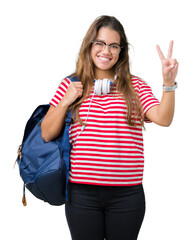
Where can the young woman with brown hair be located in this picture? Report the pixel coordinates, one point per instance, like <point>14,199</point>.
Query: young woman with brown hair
<point>109,106</point>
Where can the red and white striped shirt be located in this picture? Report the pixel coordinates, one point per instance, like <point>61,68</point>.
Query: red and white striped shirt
<point>108,151</point>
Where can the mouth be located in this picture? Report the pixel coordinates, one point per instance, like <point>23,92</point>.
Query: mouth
<point>104,59</point>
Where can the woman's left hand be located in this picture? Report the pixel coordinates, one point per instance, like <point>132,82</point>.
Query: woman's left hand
<point>169,66</point>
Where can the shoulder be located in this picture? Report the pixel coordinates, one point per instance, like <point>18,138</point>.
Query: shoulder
<point>64,84</point>
<point>65,81</point>
<point>138,83</point>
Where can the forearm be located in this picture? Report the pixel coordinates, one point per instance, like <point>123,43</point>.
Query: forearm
<point>165,110</point>
<point>53,122</point>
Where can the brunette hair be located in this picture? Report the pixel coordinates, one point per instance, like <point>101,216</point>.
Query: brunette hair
<point>85,69</point>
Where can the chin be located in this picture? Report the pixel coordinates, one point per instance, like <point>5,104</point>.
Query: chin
<point>104,68</point>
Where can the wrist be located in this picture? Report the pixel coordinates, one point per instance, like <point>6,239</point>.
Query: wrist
<point>170,87</point>
<point>168,83</point>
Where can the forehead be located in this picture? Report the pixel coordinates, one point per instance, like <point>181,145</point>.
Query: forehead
<point>108,35</point>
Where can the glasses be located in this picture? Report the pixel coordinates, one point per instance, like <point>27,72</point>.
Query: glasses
<point>114,48</point>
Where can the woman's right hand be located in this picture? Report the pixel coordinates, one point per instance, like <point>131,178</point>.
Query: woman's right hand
<point>74,91</point>
<point>52,123</point>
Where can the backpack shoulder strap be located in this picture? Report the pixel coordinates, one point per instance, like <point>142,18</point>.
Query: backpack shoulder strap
<point>73,79</point>
<point>66,146</point>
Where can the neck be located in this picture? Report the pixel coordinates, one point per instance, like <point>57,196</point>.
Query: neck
<point>99,74</point>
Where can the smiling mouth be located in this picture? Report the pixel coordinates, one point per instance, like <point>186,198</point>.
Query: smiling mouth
<point>104,59</point>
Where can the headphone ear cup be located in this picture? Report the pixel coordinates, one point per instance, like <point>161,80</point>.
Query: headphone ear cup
<point>102,86</point>
<point>106,86</point>
<point>98,87</point>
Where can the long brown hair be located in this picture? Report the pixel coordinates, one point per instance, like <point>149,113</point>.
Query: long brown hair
<point>85,69</point>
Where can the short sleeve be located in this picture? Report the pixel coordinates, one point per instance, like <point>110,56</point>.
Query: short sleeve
<point>147,99</point>
<point>60,93</point>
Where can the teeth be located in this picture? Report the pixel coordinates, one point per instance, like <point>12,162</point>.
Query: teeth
<point>103,58</point>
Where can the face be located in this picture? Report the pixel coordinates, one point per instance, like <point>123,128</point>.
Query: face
<point>103,59</point>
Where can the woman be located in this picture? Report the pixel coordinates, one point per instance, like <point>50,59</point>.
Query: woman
<point>106,197</point>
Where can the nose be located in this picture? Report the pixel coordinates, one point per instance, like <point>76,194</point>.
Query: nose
<point>106,50</point>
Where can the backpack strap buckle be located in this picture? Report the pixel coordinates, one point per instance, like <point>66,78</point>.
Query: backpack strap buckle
<point>19,155</point>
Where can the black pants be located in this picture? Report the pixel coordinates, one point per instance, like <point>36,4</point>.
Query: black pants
<point>105,212</point>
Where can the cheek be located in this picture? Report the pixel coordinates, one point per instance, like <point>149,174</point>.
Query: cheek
<point>94,57</point>
<point>93,54</point>
<point>116,58</point>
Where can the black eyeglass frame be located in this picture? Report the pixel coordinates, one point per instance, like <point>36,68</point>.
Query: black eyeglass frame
<point>107,44</point>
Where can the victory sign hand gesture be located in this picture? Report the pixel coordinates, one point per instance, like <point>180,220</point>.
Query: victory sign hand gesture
<point>169,66</point>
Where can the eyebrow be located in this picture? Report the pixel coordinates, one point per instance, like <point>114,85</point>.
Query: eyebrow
<point>99,40</point>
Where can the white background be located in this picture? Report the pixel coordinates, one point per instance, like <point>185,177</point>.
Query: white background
<point>39,45</point>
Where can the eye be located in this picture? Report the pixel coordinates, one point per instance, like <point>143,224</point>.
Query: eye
<point>101,44</point>
<point>114,46</point>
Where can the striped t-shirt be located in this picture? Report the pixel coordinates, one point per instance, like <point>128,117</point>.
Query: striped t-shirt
<point>108,151</point>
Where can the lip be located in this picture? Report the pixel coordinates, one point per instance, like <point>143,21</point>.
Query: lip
<point>104,59</point>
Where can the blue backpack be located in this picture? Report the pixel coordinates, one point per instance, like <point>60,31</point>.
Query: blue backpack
<point>44,166</point>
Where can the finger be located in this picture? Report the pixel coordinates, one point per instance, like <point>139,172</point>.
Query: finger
<point>176,65</point>
<point>80,93</point>
<point>173,66</point>
<point>170,50</point>
<point>173,63</point>
<point>80,87</point>
<point>160,53</point>
<point>77,84</point>
<point>170,68</point>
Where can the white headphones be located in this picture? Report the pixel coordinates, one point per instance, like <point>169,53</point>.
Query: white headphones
<point>103,86</point>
